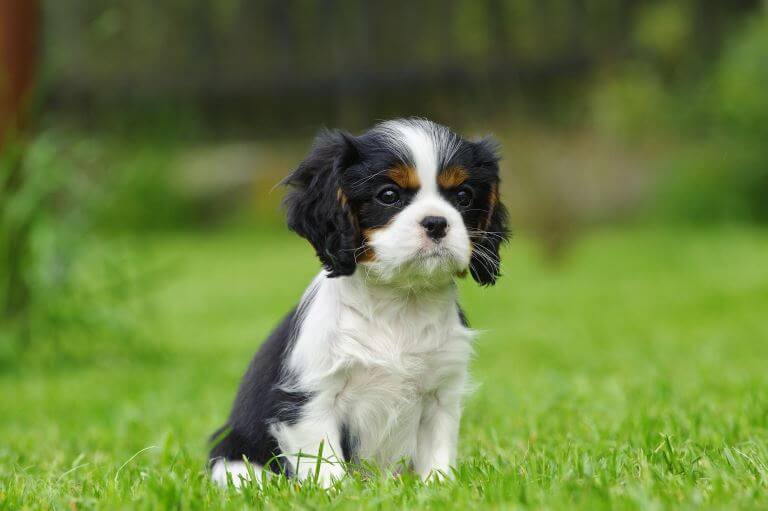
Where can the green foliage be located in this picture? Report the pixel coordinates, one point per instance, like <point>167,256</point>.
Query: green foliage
<point>81,300</point>
<point>28,184</point>
<point>711,131</point>
<point>139,194</point>
<point>630,104</point>
<point>741,81</point>
<point>664,28</point>
<point>632,378</point>
<point>723,174</point>
<point>722,180</point>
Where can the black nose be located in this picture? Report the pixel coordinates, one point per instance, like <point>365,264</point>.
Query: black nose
<point>435,226</point>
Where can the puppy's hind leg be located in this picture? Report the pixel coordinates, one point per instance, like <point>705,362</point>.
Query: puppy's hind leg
<point>224,469</point>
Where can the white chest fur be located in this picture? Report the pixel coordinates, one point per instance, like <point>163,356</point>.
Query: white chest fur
<point>376,361</point>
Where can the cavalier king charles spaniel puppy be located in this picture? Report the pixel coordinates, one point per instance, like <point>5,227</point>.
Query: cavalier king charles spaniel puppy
<point>372,363</point>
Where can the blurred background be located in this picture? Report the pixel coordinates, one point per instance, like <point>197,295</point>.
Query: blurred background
<point>144,256</point>
<point>123,123</point>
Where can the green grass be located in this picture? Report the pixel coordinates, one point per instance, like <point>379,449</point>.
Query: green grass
<point>633,376</point>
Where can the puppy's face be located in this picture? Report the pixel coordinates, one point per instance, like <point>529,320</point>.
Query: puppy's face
<point>410,200</point>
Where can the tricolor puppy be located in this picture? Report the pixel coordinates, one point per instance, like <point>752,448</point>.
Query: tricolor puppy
<point>372,363</point>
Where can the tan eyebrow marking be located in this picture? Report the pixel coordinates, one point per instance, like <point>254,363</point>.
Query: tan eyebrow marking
<point>404,176</point>
<point>452,177</point>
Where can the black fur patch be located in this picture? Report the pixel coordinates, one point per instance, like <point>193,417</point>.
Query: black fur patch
<point>462,316</point>
<point>348,444</point>
<point>261,402</point>
<point>316,210</point>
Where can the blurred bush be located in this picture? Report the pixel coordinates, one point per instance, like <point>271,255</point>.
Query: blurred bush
<point>721,172</point>
<point>137,192</point>
<point>705,122</point>
<point>81,296</point>
<point>630,105</point>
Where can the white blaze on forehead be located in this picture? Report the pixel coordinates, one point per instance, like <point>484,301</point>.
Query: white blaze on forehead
<point>423,152</point>
<point>426,144</point>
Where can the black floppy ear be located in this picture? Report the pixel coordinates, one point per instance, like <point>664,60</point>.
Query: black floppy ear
<point>493,231</point>
<point>316,206</point>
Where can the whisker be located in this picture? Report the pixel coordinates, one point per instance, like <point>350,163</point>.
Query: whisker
<point>368,178</point>
<point>484,258</point>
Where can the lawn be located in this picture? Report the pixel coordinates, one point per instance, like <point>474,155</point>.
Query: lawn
<point>632,375</point>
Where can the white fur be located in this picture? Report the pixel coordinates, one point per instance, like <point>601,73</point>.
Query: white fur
<point>236,470</point>
<point>424,143</point>
<point>388,363</point>
<point>407,257</point>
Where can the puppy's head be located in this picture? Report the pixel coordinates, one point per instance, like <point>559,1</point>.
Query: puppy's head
<point>410,200</point>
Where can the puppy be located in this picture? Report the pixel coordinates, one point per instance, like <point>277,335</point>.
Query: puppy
<point>372,363</point>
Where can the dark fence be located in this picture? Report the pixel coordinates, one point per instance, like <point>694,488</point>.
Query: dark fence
<point>289,62</point>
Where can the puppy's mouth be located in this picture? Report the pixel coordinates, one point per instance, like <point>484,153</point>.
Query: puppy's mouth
<point>433,252</point>
<point>436,257</point>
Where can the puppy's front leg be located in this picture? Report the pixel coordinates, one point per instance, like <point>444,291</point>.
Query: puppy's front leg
<point>313,446</point>
<point>438,435</point>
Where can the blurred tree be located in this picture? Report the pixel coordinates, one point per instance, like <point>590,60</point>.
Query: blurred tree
<point>19,31</point>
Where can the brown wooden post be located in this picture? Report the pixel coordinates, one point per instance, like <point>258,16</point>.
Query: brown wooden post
<point>19,37</point>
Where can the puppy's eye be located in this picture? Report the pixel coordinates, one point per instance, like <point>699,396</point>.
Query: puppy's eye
<point>463,197</point>
<point>389,195</point>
